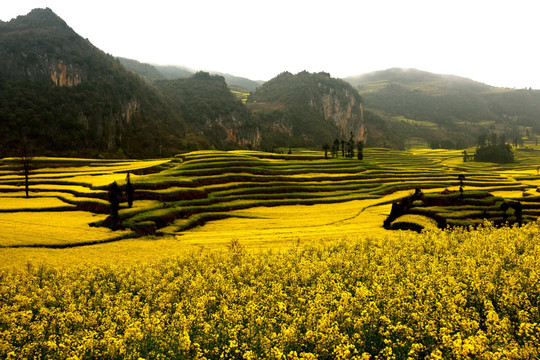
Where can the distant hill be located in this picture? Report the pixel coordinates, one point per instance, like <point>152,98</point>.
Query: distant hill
<point>63,96</point>
<point>302,110</point>
<point>173,72</point>
<point>148,72</point>
<point>239,82</point>
<point>447,110</point>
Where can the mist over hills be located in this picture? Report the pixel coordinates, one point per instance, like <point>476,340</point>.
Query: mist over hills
<point>446,109</point>
<point>152,73</point>
<point>66,97</point>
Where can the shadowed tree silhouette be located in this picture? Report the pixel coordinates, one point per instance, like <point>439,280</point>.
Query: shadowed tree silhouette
<point>335,148</point>
<point>325,148</point>
<point>518,208</point>
<point>504,207</point>
<point>350,146</point>
<point>26,164</point>
<point>461,178</point>
<point>360,149</point>
<point>129,190</point>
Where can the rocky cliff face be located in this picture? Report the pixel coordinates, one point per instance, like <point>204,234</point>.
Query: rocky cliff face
<point>343,107</point>
<point>65,75</point>
<point>307,110</point>
<point>21,66</point>
<point>241,135</point>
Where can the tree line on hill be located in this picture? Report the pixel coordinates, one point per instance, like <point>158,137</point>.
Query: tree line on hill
<point>347,148</point>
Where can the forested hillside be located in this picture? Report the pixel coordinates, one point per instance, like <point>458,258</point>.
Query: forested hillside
<point>153,73</point>
<point>307,109</point>
<point>63,96</point>
<point>213,113</point>
<point>60,95</point>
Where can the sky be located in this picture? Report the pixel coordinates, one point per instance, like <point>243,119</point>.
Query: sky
<point>491,41</point>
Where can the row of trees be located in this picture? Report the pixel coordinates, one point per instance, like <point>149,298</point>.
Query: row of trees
<point>347,148</point>
<point>499,153</point>
<point>514,137</point>
<point>492,148</point>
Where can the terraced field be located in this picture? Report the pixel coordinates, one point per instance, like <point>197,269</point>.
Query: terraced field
<point>175,195</point>
<point>66,195</point>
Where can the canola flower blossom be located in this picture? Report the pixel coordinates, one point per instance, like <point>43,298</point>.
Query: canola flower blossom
<point>438,295</point>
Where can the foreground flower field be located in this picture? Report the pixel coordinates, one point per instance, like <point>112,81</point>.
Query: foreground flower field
<point>435,295</point>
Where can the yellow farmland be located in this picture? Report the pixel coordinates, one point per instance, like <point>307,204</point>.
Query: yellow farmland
<point>82,185</point>
<point>212,197</point>
<point>252,255</point>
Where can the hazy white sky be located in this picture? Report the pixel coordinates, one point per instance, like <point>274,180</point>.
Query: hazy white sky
<point>492,41</point>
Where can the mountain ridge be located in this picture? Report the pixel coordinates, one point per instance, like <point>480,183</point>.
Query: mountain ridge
<point>405,75</point>
<point>67,97</point>
<point>64,93</point>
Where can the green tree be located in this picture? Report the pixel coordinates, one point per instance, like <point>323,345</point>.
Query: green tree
<point>335,148</point>
<point>325,148</point>
<point>350,146</point>
<point>482,140</point>
<point>461,179</point>
<point>501,153</point>
<point>360,150</point>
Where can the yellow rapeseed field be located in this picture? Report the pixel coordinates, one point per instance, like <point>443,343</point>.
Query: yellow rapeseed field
<point>437,295</point>
<point>51,229</point>
<point>320,281</point>
<point>21,203</point>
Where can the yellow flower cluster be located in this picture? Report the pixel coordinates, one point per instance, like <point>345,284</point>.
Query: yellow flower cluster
<point>438,295</point>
